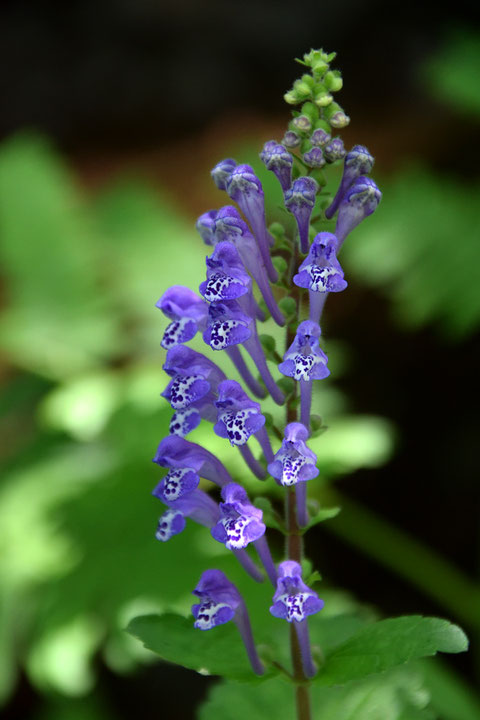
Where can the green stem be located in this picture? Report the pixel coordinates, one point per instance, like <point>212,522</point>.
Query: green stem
<point>294,535</point>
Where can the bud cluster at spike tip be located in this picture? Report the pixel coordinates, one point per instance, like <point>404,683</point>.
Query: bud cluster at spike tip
<point>254,269</point>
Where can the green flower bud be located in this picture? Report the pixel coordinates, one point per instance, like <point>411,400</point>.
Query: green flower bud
<point>335,116</point>
<point>301,90</point>
<point>333,81</point>
<point>291,98</point>
<point>323,100</point>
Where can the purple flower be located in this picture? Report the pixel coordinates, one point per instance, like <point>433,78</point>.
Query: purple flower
<point>222,171</point>
<point>294,462</point>
<point>182,361</point>
<point>227,325</point>
<point>279,161</point>
<point>240,522</point>
<point>244,187</point>
<point>238,415</point>
<point>360,200</point>
<point>300,200</point>
<point>293,600</point>
<point>357,162</point>
<point>206,227</point>
<point>226,275</point>
<point>230,227</point>
<point>220,602</point>
<point>188,312</point>
<point>196,504</point>
<point>320,137</point>
<point>304,360</point>
<point>177,483</point>
<point>334,150</point>
<point>321,271</point>
<point>314,158</point>
<point>175,452</point>
<point>171,523</point>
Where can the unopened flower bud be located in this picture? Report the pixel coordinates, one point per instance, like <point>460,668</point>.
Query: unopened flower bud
<point>314,158</point>
<point>302,123</point>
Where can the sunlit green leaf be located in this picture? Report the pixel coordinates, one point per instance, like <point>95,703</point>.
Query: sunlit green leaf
<point>387,643</point>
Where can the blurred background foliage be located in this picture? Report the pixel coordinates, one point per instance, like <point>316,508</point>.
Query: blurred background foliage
<point>82,265</point>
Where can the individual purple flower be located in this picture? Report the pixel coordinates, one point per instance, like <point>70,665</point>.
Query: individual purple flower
<point>188,312</point>
<point>175,452</point>
<point>227,325</point>
<point>291,139</point>
<point>244,187</point>
<point>320,137</point>
<point>321,271</point>
<point>238,415</point>
<point>222,171</point>
<point>227,278</point>
<point>206,227</point>
<point>197,505</point>
<point>277,159</point>
<point>357,162</point>
<point>334,151</point>
<point>314,158</point>
<point>184,362</point>
<point>360,200</point>
<point>220,602</point>
<point>186,420</point>
<point>304,359</point>
<point>300,200</point>
<point>171,523</point>
<point>294,462</point>
<point>230,227</point>
<point>240,522</point>
<point>294,601</point>
<point>176,483</point>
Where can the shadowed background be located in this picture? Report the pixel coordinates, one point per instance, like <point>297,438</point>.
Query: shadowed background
<point>113,114</point>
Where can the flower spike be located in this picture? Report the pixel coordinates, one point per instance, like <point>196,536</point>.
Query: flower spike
<point>357,162</point>
<point>220,602</point>
<point>300,200</point>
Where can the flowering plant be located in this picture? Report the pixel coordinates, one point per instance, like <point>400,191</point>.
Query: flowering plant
<point>255,272</point>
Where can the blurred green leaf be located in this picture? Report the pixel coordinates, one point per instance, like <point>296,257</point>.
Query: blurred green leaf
<point>452,74</point>
<point>425,259</point>
<point>56,322</point>
<point>397,695</point>
<point>450,695</point>
<point>387,643</point>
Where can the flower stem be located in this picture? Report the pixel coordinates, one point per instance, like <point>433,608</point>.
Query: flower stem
<point>294,538</point>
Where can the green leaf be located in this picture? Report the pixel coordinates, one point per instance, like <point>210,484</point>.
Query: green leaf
<point>216,652</point>
<point>397,695</point>
<point>387,643</point>
<point>321,515</point>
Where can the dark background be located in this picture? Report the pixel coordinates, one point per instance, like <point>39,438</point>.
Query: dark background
<point>157,86</point>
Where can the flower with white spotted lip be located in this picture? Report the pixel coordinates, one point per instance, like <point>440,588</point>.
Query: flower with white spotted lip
<point>293,600</point>
<point>321,271</point>
<point>304,359</point>
<point>240,522</point>
<point>239,417</point>
<point>294,462</point>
